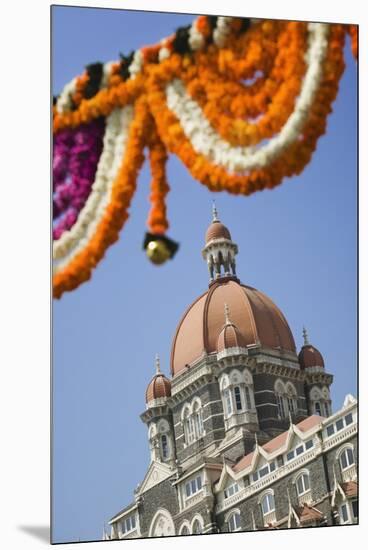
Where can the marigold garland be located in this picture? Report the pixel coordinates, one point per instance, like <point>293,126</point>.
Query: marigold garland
<point>157,219</point>
<point>80,268</point>
<point>241,102</point>
<point>353,31</point>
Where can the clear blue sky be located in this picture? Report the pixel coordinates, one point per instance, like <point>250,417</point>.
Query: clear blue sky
<point>297,243</point>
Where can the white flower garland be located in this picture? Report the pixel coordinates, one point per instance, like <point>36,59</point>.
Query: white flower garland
<point>164,52</point>
<point>136,65</point>
<point>64,101</point>
<point>196,39</point>
<point>114,144</point>
<point>206,141</point>
<point>106,71</point>
<point>196,42</point>
<point>222,30</point>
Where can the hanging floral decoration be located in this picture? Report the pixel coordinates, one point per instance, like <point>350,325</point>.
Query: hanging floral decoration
<point>353,30</point>
<point>242,103</point>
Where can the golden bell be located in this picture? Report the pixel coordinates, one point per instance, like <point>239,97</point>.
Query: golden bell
<point>158,252</point>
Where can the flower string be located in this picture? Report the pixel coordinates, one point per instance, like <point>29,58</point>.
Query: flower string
<point>241,102</point>
<point>157,219</point>
<point>79,269</point>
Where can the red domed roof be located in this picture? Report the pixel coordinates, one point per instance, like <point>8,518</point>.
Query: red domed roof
<point>217,230</point>
<point>160,386</point>
<point>309,356</point>
<point>230,337</point>
<point>257,318</point>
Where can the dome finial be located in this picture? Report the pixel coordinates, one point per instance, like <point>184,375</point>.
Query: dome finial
<point>157,363</point>
<point>214,212</point>
<point>227,315</point>
<point>305,336</point>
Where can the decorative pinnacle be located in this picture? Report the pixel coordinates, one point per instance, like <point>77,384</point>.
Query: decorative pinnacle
<point>290,419</point>
<point>305,336</point>
<point>157,363</point>
<point>214,212</point>
<point>256,439</point>
<point>227,315</point>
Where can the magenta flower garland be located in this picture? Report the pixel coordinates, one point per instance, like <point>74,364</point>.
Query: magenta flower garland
<point>76,155</point>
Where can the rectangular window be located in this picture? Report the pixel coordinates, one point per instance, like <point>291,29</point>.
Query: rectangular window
<point>290,455</point>
<point>300,485</point>
<point>330,430</point>
<point>263,471</point>
<point>309,444</point>
<point>229,407</point>
<point>238,402</point>
<point>199,483</point>
<point>193,486</point>
<point>231,490</point>
<point>128,524</point>
<point>255,476</point>
<point>248,400</point>
<point>348,419</point>
<point>299,450</point>
<point>272,466</point>
<point>344,513</point>
<point>355,508</point>
<point>339,424</point>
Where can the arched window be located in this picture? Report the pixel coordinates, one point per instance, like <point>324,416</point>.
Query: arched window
<point>228,402</point>
<point>192,418</point>
<point>164,447</point>
<point>198,419</point>
<point>268,504</point>
<point>237,393</point>
<point>162,524</point>
<point>317,408</point>
<point>280,405</point>
<point>184,530</point>
<point>347,458</point>
<point>234,521</point>
<point>326,409</point>
<point>248,399</point>
<point>291,404</point>
<point>197,527</point>
<point>188,426</point>
<point>302,484</point>
<point>238,399</point>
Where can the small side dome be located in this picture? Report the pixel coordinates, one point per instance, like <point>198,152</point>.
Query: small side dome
<point>217,230</point>
<point>160,386</point>
<point>309,356</point>
<point>230,336</point>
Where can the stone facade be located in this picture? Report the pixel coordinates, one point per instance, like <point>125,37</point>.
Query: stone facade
<point>242,438</point>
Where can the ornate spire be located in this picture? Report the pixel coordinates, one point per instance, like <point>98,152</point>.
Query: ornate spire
<point>305,336</point>
<point>157,363</point>
<point>214,212</point>
<point>220,250</point>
